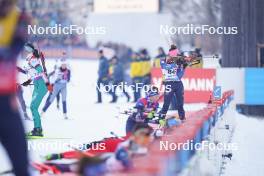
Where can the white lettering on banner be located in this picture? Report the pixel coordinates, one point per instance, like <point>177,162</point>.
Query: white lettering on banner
<point>201,84</point>
<point>126,6</point>
<point>157,81</point>
<point>198,84</point>
<point>190,84</point>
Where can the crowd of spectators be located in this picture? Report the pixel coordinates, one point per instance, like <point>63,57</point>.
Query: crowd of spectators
<point>122,51</point>
<point>48,14</point>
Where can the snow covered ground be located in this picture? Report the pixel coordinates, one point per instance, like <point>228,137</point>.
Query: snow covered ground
<point>89,121</point>
<point>248,159</point>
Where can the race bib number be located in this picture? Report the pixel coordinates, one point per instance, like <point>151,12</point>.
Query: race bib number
<point>170,74</point>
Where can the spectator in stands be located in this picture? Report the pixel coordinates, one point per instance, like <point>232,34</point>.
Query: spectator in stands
<point>146,65</point>
<point>197,52</point>
<point>51,13</point>
<point>161,55</point>
<point>118,79</point>
<point>136,74</point>
<point>102,74</point>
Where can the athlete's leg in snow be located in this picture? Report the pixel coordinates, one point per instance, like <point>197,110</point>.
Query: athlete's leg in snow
<point>39,92</point>
<point>122,84</point>
<point>137,85</point>
<point>173,105</point>
<point>49,96</point>
<point>48,99</point>
<point>22,101</point>
<point>179,92</point>
<point>63,92</point>
<point>12,135</point>
<point>125,92</point>
<point>58,101</point>
<point>113,92</point>
<point>99,94</point>
<point>54,93</point>
<point>167,97</point>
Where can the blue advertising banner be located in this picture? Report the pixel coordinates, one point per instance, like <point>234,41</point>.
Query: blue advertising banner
<point>217,92</point>
<point>254,86</point>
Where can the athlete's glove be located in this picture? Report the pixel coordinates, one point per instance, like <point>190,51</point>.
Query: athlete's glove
<point>49,87</point>
<point>54,156</point>
<point>162,122</point>
<point>122,156</point>
<point>150,115</point>
<point>26,83</point>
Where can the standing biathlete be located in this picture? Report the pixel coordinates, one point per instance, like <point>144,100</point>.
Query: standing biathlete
<point>62,77</point>
<point>51,77</point>
<point>172,74</point>
<point>41,86</point>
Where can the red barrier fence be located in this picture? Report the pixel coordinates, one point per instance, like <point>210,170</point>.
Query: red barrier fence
<point>198,83</point>
<point>196,128</point>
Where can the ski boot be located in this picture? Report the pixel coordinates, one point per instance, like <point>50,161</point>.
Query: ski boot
<point>58,106</point>
<point>65,116</point>
<point>183,119</point>
<point>53,157</point>
<point>35,133</point>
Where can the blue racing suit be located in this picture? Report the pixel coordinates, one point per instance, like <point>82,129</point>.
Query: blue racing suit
<point>172,74</point>
<point>143,106</point>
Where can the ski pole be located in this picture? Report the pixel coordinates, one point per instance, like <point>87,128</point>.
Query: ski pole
<point>115,135</point>
<point>28,84</point>
<point>7,172</point>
